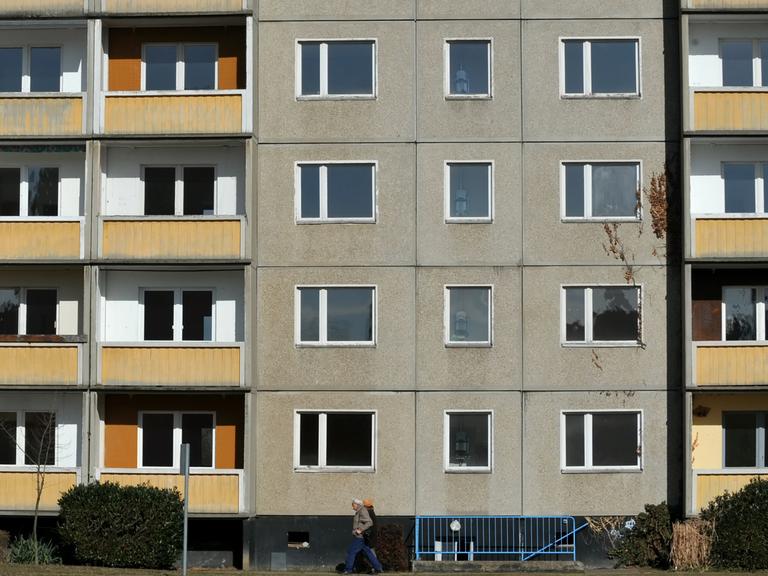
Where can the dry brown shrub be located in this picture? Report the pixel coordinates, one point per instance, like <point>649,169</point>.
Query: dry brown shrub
<point>691,544</point>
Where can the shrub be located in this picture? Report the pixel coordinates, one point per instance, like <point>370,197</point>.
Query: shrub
<point>391,549</point>
<point>122,526</point>
<point>740,522</point>
<point>22,551</point>
<point>648,542</point>
<point>691,544</point>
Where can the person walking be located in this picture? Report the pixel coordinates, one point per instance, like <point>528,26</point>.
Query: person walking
<point>370,535</point>
<point>360,523</point>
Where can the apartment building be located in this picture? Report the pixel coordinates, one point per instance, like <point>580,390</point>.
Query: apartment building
<point>725,59</point>
<point>394,249</point>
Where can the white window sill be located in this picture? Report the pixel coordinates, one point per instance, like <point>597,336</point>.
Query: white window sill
<point>627,344</point>
<point>628,96</point>
<point>468,97</point>
<point>336,345</point>
<point>468,344</point>
<point>468,470</point>
<point>601,220</point>
<point>314,97</point>
<point>365,220</point>
<point>335,469</point>
<point>603,470</point>
<point>487,220</point>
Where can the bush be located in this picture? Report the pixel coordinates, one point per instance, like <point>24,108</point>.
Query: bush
<point>648,543</point>
<point>391,549</point>
<point>22,551</point>
<point>740,523</point>
<point>122,526</point>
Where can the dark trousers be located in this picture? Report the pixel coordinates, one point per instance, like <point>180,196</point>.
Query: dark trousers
<point>357,545</point>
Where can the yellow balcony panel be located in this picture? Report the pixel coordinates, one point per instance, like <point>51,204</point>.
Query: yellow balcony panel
<point>731,237</point>
<point>28,240</point>
<point>146,113</point>
<point>728,4</point>
<point>217,365</point>
<point>172,239</point>
<point>170,6</point>
<point>214,492</point>
<point>41,7</point>
<point>18,489</point>
<point>731,364</point>
<point>730,111</point>
<point>39,364</point>
<point>41,116</point>
<point>710,484</point>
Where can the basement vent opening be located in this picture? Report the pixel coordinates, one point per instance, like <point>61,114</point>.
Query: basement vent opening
<point>298,540</point>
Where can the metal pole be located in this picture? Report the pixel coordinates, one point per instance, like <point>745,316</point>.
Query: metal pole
<point>184,465</point>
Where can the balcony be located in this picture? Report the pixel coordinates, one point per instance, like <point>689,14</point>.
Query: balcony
<point>38,8</point>
<point>18,487</point>
<point>725,4</point>
<point>155,7</point>
<point>59,239</point>
<point>212,491</point>
<point>730,363</point>
<point>170,113</point>
<point>708,484</point>
<point>172,238</point>
<point>149,364</point>
<point>729,237</point>
<point>45,114</point>
<point>41,360</point>
<point>730,110</point>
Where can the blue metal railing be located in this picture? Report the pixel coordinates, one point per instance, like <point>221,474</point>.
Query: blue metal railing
<point>495,537</point>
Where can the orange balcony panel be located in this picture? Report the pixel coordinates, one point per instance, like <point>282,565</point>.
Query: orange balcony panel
<point>728,4</point>
<point>41,7</point>
<point>208,493</point>
<point>731,365</point>
<point>172,239</point>
<point>158,366</point>
<point>39,240</point>
<point>731,237</point>
<point>170,6</point>
<point>19,489</point>
<point>41,116</point>
<point>172,114</point>
<point>709,485</point>
<point>730,111</point>
<point>30,364</point>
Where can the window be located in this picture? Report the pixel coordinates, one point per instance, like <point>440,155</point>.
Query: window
<point>30,69</point>
<point>180,66</point>
<point>745,62</point>
<point>336,316</point>
<point>28,311</point>
<point>161,434</point>
<point>179,190</point>
<point>468,315</point>
<point>468,191</point>
<point>27,438</point>
<point>744,310</point>
<point>178,315</point>
<point>468,69</point>
<point>31,191</point>
<point>744,439</point>
<point>338,68</point>
<point>468,438</point>
<point>744,187</point>
<point>600,67</point>
<point>601,315</point>
<point>336,192</point>
<point>601,440</point>
<point>601,190</point>
<point>334,440</point>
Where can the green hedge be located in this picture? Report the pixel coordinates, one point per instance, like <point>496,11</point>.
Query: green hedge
<point>740,520</point>
<point>122,526</point>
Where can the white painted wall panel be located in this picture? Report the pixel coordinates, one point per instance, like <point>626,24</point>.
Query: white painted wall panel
<point>73,45</point>
<point>124,190</point>
<point>704,64</point>
<point>122,320</point>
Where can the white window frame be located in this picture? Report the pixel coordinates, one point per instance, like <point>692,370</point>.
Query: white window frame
<point>324,95</point>
<point>587,67</point>
<point>26,66</point>
<point>322,440</point>
<point>447,69</point>
<point>588,466</point>
<point>450,468</point>
<point>757,69</point>
<point>177,435</point>
<point>588,313</point>
<point>588,217</point>
<point>761,171</point>
<point>178,311</point>
<point>24,192</point>
<point>178,199</point>
<point>22,321</point>
<point>323,191</point>
<point>21,438</point>
<point>447,193</point>
<point>323,317</point>
<point>180,65</point>
<point>447,318</point>
<point>761,437</point>
<point>761,293</point>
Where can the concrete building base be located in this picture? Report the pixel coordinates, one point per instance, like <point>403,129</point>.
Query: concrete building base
<point>497,567</point>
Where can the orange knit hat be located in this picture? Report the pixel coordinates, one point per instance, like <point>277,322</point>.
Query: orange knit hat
<point>368,503</point>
